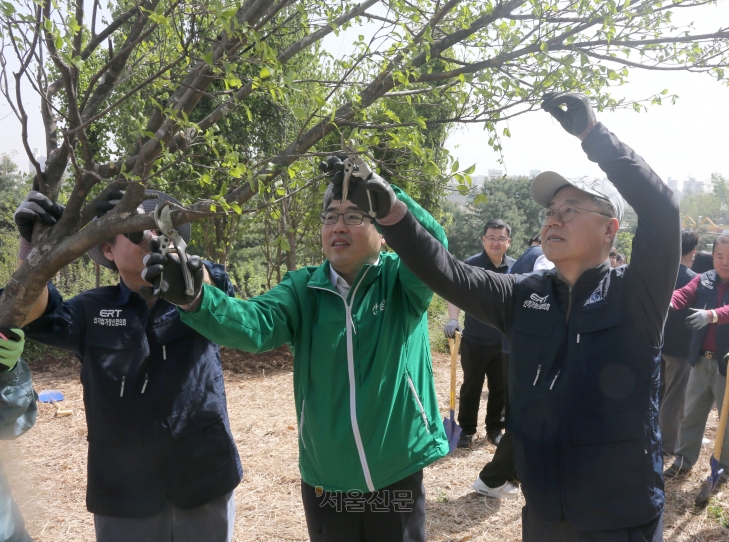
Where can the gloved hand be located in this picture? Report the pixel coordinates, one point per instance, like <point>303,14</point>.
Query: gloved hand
<point>172,285</point>
<point>108,202</point>
<point>698,319</point>
<point>579,114</point>
<point>451,327</point>
<point>36,208</point>
<point>12,342</point>
<point>368,191</point>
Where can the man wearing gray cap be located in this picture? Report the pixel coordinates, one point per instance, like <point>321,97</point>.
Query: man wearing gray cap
<point>162,463</point>
<point>584,418</point>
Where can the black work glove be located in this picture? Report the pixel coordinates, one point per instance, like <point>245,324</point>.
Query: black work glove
<point>578,115</point>
<point>172,284</point>
<point>108,202</point>
<point>372,195</point>
<point>36,208</point>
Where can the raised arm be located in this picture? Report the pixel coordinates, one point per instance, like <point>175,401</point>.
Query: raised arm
<point>651,275</point>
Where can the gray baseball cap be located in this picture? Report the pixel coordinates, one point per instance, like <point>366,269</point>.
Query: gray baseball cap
<point>546,184</point>
<point>147,206</point>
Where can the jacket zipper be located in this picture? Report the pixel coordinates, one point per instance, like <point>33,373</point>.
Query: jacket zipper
<point>420,405</point>
<point>301,424</point>
<point>349,326</point>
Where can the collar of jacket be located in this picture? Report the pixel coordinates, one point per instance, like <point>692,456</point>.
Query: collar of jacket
<point>367,275</point>
<point>504,261</point>
<point>585,285</point>
<point>122,297</point>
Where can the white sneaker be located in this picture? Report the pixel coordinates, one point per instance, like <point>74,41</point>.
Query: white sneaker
<point>506,491</point>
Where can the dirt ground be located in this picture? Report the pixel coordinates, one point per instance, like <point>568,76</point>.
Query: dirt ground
<point>47,467</point>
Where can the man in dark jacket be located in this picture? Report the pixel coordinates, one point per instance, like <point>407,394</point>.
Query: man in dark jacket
<point>162,462</point>
<point>584,415</point>
<point>674,366</point>
<point>708,293</point>
<point>481,346</point>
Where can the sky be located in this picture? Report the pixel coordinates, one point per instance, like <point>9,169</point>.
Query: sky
<point>685,140</point>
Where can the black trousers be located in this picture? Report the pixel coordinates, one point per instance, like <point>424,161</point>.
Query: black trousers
<point>481,362</point>
<point>395,513</point>
<point>501,468</point>
<point>535,530</point>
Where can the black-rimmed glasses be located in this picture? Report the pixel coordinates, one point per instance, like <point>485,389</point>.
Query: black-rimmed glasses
<point>565,213</point>
<point>351,218</point>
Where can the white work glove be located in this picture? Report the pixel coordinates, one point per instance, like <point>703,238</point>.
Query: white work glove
<point>698,319</point>
<point>451,327</point>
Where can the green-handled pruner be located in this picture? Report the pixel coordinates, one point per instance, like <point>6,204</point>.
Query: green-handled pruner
<point>172,242</point>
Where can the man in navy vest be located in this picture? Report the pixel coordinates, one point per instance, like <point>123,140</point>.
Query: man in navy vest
<point>584,414</point>
<point>481,346</point>
<point>708,293</point>
<point>674,366</point>
<point>162,462</point>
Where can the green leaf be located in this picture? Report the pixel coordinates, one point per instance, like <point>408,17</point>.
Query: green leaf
<point>454,167</point>
<point>236,208</point>
<point>480,198</point>
<point>299,113</point>
<point>470,169</point>
<point>265,73</point>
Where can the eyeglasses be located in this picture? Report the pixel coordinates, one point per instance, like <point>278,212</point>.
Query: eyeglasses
<point>351,218</point>
<point>500,240</point>
<point>565,213</point>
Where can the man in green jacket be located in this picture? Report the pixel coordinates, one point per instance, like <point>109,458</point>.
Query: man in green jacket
<point>367,412</point>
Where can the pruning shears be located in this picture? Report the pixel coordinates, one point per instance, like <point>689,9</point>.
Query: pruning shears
<point>170,241</point>
<point>353,165</point>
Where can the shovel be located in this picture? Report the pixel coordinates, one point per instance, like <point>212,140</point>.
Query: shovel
<point>713,479</point>
<point>54,396</point>
<point>453,430</point>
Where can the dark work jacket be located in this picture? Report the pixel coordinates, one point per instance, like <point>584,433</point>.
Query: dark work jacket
<point>584,367</point>
<point>706,298</point>
<point>677,337</point>
<point>154,398</point>
<point>474,331</point>
<point>585,420</point>
<point>525,263</point>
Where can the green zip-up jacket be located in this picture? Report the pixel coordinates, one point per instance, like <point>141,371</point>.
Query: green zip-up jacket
<point>363,380</point>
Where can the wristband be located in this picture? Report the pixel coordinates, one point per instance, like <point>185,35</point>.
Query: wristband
<point>716,316</point>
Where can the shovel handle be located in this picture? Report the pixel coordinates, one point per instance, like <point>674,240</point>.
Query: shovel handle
<point>454,344</point>
<point>722,423</point>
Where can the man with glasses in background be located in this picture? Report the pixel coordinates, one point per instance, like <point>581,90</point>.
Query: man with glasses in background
<point>368,417</point>
<point>481,349</point>
<point>584,414</point>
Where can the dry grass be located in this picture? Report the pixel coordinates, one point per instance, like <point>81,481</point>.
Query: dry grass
<point>47,467</point>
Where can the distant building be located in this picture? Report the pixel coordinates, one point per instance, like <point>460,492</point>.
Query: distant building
<point>495,174</point>
<point>692,186</point>
<point>41,160</point>
<point>534,172</point>
<point>672,184</point>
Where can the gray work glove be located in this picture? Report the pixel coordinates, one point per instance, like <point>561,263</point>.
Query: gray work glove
<point>36,208</point>
<point>698,319</point>
<point>367,190</point>
<point>172,284</point>
<point>108,202</point>
<point>451,327</point>
<point>578,115</point>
